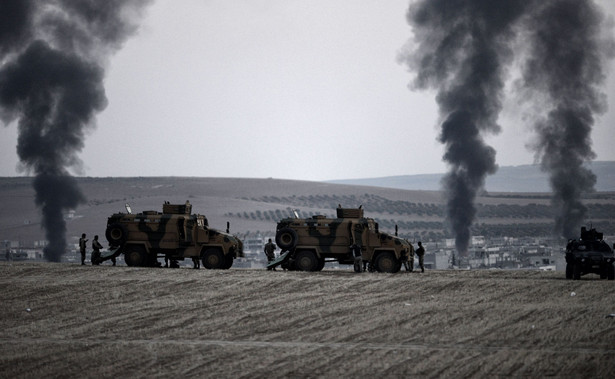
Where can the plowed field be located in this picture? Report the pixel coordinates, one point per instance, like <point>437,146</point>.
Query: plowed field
<point>65,320</point>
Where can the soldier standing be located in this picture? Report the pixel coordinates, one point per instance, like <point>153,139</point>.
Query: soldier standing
<point>96,246</point>
<point>196,263</point>
<point>82,244</point>
<point>270,252</point>
<point>410,263</point>
<point>421,253</point>
<point>356,252</point>
<point>7,246</point>
<point>404,259</point>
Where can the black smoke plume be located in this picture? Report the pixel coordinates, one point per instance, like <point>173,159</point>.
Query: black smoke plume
<point>568,46</point>
<point>52,54</point>
<point>463,48</point>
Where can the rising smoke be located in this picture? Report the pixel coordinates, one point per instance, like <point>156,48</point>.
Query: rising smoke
<point>464,48</point>
<point>569,44</point>
<point>52,54</point>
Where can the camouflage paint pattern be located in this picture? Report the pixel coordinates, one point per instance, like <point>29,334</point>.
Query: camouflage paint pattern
<point>331,238</point>
<point>174,233</point>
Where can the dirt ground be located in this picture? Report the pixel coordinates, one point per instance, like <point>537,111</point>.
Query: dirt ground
<point>68,320</point>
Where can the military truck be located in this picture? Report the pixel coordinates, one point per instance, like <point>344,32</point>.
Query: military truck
<point>174,234</point>
<point>309,243</point>
<point>589,254</point>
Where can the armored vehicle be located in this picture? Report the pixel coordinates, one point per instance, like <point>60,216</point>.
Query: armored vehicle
<point>311,242</point>
<point>174,234</point>
<point>589,254</point>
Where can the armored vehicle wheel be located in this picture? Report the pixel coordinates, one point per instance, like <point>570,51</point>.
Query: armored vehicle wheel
<point>386,262</point>
<point>568,271</point>
<point>289,265</point>
<point>286,238</point>
<point>321,264</point>
<point>576,271</point>
<point>228,261</point>
<point>611,272</point>
<point>306,260</point>
<point>135,256</point>
<point>213,259</point>
<point>116,234</point>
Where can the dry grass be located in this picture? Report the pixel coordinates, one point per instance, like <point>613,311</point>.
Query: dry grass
<point>145,322</point>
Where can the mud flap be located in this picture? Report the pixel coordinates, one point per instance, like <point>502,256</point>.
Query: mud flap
<point>279,260</point>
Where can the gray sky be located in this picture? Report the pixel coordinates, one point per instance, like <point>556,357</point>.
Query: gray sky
<point>290,89</point>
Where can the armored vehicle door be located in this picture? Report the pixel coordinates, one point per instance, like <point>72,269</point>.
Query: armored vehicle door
<point>201,234</point>
<point>373,240</point>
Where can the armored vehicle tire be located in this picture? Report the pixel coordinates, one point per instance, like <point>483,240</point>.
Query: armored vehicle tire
<point>306,260</point>
<point>289,265</point>
<point>321,264</point>
<point>214,259</point>
<point>135,256</point>
<point>116,234</point>
<point>386,262</point>
<point>286,238</point>
<point>576,271</point>
<point>228,261</point>
<point>611,272</point>
<point>568,271</point>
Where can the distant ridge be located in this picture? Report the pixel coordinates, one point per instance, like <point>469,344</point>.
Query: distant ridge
<point>524,178</point>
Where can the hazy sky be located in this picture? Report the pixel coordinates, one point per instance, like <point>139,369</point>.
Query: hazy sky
<point>288,89</point>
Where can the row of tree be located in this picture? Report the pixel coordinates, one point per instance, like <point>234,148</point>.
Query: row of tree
<point>379,205</point>
<point>433,230</point>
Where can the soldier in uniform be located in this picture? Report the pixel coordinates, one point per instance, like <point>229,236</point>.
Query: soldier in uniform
<point>96,246</point>
<point>196,263</point>
<point>7,246</point>
<point>421,253</point>
<point>270,252</point>
<point>356,252</point>
<point>410,263</point>
<point>82,244</point>
<point>404,259</point>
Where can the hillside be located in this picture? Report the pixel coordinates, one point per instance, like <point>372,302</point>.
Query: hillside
<point>71,321</point>
<point>523,178</point>
<point>255,205</point>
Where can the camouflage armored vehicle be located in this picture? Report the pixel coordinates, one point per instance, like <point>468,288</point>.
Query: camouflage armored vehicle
<point>174,234</point>
<point>589,254</point>
<point>311,242</point>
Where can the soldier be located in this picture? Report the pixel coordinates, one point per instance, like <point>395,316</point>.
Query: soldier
<point>270,252</point>
<point>96,246</point>
<point>7,246</point>
<point>196,263</point>
<point>82,244</point>
<point>404,259</point>
<point>410,267</point>
<point>356,252</point>
<point>421,253</point>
